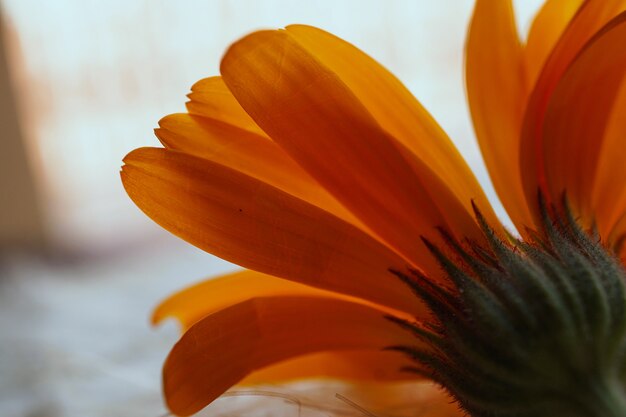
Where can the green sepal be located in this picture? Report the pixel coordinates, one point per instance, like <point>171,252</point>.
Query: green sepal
<point>525,328</point>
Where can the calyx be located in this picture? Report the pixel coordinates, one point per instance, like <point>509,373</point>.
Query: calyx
<point>525,329</point>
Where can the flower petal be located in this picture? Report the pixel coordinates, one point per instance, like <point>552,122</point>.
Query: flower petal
<point>395,109</point>
<point>260,227</point>
<point>198,301</point>
<point>497,91</point>
<point>577,117</point>
<point>322,125</point>
<point>617,238</point>
<point>546,29</point>
<point>211,98</point>
<point>350,365</point>
<point>609,193</point>
<point>418,399</point>
<point>248,153</point>
<point>590,18</point>
<point>221,349</point>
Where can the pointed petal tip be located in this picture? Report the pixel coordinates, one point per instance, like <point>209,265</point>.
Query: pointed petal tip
<point>158,315</point>
<point>169,120</point>
<point>302,26</point>
<point>235,48</point>
<point>203,82</point>
<point>129,157</point>
<point>137,154</point>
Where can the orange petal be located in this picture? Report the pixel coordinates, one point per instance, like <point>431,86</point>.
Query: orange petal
<point>249,153</point>
<point>260,227</point>
<point>395,109</point>
<point>221,349</point>
<point>609,193</point>
<point>617,238</point>
<point>497,91</point>
<point>322,125</point>
<point>546,29</point>
<point>577,116</point>
<point>416,399</point>
<point>590,18</point>
<point>198,301</point>
<point>351,365</point>
<point>211,98</point>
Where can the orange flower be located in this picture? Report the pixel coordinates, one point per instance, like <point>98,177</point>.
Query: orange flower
<point>314,168</point>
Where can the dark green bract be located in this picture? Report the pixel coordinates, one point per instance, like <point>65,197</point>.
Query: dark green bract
<point>526,329</point>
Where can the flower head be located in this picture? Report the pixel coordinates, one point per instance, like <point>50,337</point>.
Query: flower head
<point>313,167</point>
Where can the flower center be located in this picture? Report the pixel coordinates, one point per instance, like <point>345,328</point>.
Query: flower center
<point>526,329</point>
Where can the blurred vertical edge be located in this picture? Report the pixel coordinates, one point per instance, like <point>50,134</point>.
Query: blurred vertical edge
<point>21,217</point>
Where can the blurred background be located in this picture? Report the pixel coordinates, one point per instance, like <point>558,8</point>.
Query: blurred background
<point>84,82</point>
